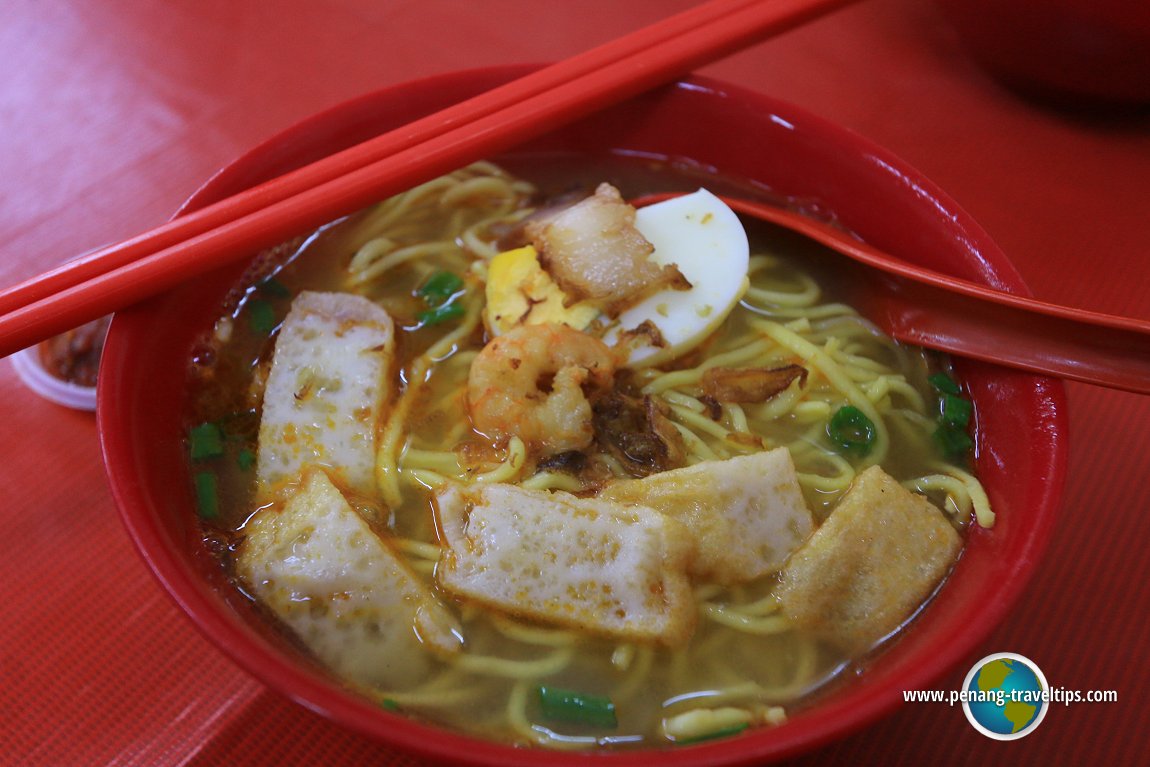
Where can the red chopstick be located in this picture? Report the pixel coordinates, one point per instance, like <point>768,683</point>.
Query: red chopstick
<point>333,167</point>
<point>298,202</point>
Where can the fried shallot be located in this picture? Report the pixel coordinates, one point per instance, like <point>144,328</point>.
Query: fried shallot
<point>750,384</point>
<point>638,432</point>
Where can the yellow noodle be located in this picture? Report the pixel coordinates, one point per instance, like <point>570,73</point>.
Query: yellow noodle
<point>509,469</point>
<point>736,417</point>
<point>900,387</point>
<point>370,252</point>
<point>422,567</point>
<point>517,714</point>
<point>420,549</point>
<point>759,261</point>
<point>458,429</point>
<point>399,207</point>
<point>691,376</point>
<point>521,632</point>
<point>450,342</point>
<point>857,335</point>
<point>956,491</point>
<point>447,678</point>
<point>800,325</point>
<point>461,359</point>
<point>735,693</point>
<point>802,679</point>
<point>700,423</point>
<point>638,674</point>
<point>439,698</point>
<point>439,461</point>
<point>698,449</point>
<point>837,484</point>
<point>478,240</point>
<point>817,358</point>
<point>816,457</point>
<point>465,192</point>
<point>805,668</point>
<point>777,406</point>
<point>387,467</point>
<point>799,313</point>
<point>763,606</point>
<point>812,410</point>
<point>623,656</point>
<point>917,424</point>
<point>552,480</point>
<point>806,295</point>
<point>487,665</point>
<point>432,480</point>
<point>693,404</point>
<point>375,268</point>
<point>876,389</point>
<point>705,591</point>
<point>977,493</point>
<point>862,367</point>
<point>612,463</point>
<point>771,624</point>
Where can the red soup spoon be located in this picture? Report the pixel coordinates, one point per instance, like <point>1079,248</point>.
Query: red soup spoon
<point>937,311</point>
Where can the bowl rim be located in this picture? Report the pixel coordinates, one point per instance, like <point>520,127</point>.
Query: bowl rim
<point>836,717</point>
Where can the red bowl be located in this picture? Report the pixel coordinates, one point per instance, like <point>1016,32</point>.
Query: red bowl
<point>1021,451</point>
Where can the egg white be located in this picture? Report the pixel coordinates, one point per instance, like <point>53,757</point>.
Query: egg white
<point>706,241</point>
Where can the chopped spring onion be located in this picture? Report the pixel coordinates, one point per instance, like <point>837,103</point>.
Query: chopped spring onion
<point>953,440</point>
<point>273,288</point>
<point>389,704</point>
<point>261,316</point>
<point>944,384</point>
<point>955,411</point>
<point>441,313</point>
<point>578,708</point>
<point>954,414</point>
<point>207,495</point>
<point>852,430</point>
<point>440,287</point>
<point>245,459</point>
<point>439,293</point>
<point>207,441</point>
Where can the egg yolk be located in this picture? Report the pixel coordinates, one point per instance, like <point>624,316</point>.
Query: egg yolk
<point>520,292</point>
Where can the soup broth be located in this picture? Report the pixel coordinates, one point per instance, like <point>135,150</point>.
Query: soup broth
<point>745,664</point>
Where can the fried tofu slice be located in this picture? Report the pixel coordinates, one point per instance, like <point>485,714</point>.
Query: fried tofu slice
<point>589,564</point>
<point>747,513</point>
<point>349,598</point>
<point>864,572</point>
<point>330,377</point>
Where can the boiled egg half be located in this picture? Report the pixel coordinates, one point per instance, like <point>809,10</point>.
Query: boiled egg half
<point>704,238</point>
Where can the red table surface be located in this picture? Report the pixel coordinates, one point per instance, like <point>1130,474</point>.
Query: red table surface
<point>112,111</point>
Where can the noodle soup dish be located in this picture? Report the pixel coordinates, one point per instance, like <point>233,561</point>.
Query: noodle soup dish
<point>511,457</point>
<point>487,444</point>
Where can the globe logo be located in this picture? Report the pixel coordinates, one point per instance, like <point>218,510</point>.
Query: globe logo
<point>1005,696</point>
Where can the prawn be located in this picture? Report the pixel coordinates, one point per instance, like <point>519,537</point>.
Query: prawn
<point>535,381</point>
